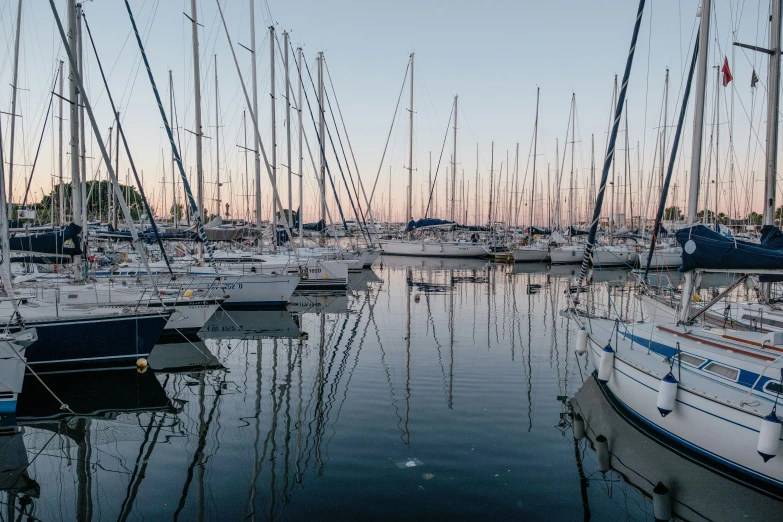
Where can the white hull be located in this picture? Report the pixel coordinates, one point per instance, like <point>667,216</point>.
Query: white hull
<point>530,255</point>
<point>709,416</point>
<point>665,257</point>
<point>248,289</point>
<point>433,249</point>
<point>602,256</point>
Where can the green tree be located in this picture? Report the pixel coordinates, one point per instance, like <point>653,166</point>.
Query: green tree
<point>754,218</point>
<point>98,198</point>
<point>672,214</point>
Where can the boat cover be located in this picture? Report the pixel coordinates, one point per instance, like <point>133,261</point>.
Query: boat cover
<point>63,242</point>
<point>428,222</point>
<point>718,252</point>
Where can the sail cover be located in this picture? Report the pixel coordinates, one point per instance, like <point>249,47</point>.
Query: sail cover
<point>314,227</point>
<point>429,222</point>
<point>63,242</point>
<point>711,250</point>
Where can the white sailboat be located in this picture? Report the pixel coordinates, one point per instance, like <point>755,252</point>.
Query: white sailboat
<point>711,389</point>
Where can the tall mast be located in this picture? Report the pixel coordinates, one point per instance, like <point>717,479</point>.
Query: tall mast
<point>13,112</point>
<point>535,151</point>
<point>114,202</point>
<point>256,144</point>
<point>82,138</point>
<point>698,131</point>
<point>491,185</point>
<point>408,214</point>
<point>217,139</point>
<point>288,129</point>
<point>272,101</point>
<point>717,150</point>
<point>174,210</point>
<point>773,106</point>
<point>73,96</point>
<point>198,131</point>
<point>558,195</point>
<point>322,142</point>
<point>301,151</point>
<point>429,184</point>
<point>663,130</point>
<point>571,182</point>
<point>626,178</point>
<point>476,213</point>
<point>61,188</point>
<point>247,183</point>
<point>454,158</point>
<point>613,213</point>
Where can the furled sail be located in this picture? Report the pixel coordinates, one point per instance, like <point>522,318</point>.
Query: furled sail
<point>706,249</point>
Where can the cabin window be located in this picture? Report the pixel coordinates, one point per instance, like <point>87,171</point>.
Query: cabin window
<point>692,359</point>
<point>773,387</point>
<point>723,371</point>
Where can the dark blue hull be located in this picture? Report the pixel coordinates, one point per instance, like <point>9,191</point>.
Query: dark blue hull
<point>101,340</point>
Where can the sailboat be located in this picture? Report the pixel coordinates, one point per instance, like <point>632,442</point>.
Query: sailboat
<point>713,390</point>
<point>428,248</point>
<point>536,251</point>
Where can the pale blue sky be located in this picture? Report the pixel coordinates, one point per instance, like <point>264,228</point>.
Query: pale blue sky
<point>493,54</point>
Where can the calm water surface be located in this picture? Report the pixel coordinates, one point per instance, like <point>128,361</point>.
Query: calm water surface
<point>430,390</point>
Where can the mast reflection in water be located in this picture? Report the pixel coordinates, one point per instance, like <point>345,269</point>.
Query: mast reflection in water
<point>431,389</point>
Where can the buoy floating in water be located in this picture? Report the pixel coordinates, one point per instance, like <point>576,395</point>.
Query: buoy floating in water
<point>581,341</point>
<point>667,394</point>
<point>602,453</point>
<point>662,504</point>
<point>769,436</point>
<point>606,365</point>
<point>579,426</point>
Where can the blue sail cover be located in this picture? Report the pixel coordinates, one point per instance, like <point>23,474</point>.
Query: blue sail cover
<point>316,227</point>
<point>63,242</point>
<point>429,222</point>
<point>717,252</point>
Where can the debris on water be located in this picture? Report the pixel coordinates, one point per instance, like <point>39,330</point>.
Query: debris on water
<point>409,463</point>
<point>427,476</point>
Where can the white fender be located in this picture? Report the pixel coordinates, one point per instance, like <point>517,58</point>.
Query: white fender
<point>581,341</point>
<point>769,436</point>
<point>667,394</point>
<point>606,365</point>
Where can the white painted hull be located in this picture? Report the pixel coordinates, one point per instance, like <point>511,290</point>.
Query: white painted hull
<point>531,255</point>
<point>567,255</point>
<point>667,257</point>
<point>248,290</point>
<point>602,256</point>
<point>718,428</point>
<point>433,249</point>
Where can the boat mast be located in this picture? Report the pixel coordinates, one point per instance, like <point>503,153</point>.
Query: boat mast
<point>82,137</point>
<point>476,213</point>
<point>454,159</point>
<point>288,129</point>
<point>301,151</point>
<point>571,182</point>
<point>73,96</point>
<point>256,144</point>
<point>217,138</point>
<point>321,123</point>
<point>13,113</point>
<point>698,131</point>
<point>61,188</point>
<point>491,185</point>
<point>535,151</point>
<point>174,210</point>
<point>613,213</point>
<point>198,131</point>
<point>408,214</point>
<point>272,101</point>
<point>773,106</point>
<point>717,150</point>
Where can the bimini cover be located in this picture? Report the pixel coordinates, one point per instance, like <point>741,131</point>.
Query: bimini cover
<point>429,222</point>
<point>63,242</point>
<point>713,250</point>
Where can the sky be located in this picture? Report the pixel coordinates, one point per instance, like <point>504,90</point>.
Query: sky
<point>493,54</point>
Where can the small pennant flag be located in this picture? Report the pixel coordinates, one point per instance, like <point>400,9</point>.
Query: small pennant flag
<point>754,79</point>
<point>727,77</point>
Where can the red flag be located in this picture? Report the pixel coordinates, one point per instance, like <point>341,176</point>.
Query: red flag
<point>727,77</point>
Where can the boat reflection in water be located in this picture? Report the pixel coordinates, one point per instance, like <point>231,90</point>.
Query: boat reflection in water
<point>250,324</point>
<point>612,447</point>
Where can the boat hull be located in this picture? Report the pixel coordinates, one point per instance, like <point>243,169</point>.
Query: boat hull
<point>698,415</point>
<point>661,258</point>
<point>433,249</point>
<point>94,340</point>
<point>531,255</point>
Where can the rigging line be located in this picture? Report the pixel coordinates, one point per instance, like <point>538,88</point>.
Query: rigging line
<point>40,141</point>
<point>127,148</point>
<point>196,212</point>
<point>323,152</point>
<point>437,169</point>
<point>348,139</point>
<point>385,147</point>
